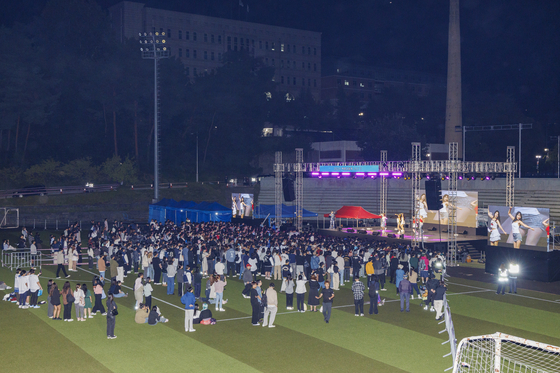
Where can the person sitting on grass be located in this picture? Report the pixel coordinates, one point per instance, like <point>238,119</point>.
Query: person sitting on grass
<point>142,313</point>
<point>155,316</point>
<point>205,314</point>
<point>115,289</point>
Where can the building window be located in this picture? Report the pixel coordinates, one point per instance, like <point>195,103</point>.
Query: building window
<point>212,56</point>
<point>266,61</point>
<point>194,71</point>
<point>266,45</point>
<point>219,39</point>
<point>288,48</point>
<point>206,38</point>
<point>194,36</point>
<point>309,66</point>
<point>253,43</point>
<point>188,53</point>
<point>354,83</point>
<point>369,96</point>
<point>169,33</point>
<point>194,53</point>
<point>281,64</point>
<point>273,62</point>
<point>288,80</point>
<point>346,82</point>
<point>180,34</point>
<point>370,85</point>
<point>219,56</point>
<point>187,35</point>
<point>338,81</point>
<point>303,65</point>
<point>272,46</point>
<point>205,55</point>
<point>282,79</point>
<point>294,64</point>
<point>315,83</point>
<point>309,50</point>
<point>288,64</point>
<point>314,67</point>
<point>309,82</point>
<point>281,47</point>
<point>212,38</point>
<point>362,85</point>
<point>314,51</point>
<point>187,71</point>
<point>180,52</point>
<point>295,80</point>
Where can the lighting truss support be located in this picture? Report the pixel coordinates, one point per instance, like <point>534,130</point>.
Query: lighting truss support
<point>510,177</point>
<point>383,191</point>
<point>278,172</point>
<point>299,188</point>
<point>452,206</point>
<point>416,157</point>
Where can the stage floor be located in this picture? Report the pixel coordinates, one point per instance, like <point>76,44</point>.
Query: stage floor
<point>428,236</point>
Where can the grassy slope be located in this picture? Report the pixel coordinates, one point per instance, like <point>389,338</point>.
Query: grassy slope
<point>388,342</point>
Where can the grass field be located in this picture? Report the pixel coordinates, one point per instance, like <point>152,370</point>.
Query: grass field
<point>388,342</point>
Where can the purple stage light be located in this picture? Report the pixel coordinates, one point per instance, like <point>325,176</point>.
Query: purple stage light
<point>325,174</point>
<point>346,174</point>
<point>428,177</point>
<point>397,173</point>
<point>372,173</point>
<point>335,173</point>
<point>360,174</point>
<point>460,177</point>
<point>372,176</point>
<point>320,177</point>
<point>473,177</point>
<point>314,174</point>
<point>383,174</point>
<point>447,178</point>
<point>487,177</point>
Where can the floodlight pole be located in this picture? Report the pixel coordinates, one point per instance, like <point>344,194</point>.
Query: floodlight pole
<point>151,49</point>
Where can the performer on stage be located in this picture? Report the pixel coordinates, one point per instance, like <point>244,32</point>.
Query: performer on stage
<point>242,206</point>
<point>383,222</point>
<point>332,220</point>
<point>516,222</point>
<point>444,211</point>
<point>422,207</point>
<point>493,228</point>
<point>234,206</point>
<point>400,224</point>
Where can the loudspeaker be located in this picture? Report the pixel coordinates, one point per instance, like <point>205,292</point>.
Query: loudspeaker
<point>350,230</point>
<point>289,192</point>
<point>433,194</point>
<point>362,231</point>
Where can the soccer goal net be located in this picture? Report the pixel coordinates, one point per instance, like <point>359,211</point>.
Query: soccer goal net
<point>9,217</point>
<point>502,353</point>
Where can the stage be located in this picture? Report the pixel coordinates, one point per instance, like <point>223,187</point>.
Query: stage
<point>430,239</point>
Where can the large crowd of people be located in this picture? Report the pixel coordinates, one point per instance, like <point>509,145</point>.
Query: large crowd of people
<point>185,257</point>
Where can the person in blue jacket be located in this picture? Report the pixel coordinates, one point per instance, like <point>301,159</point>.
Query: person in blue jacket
<point>400,275</point>
<point>188,300</point>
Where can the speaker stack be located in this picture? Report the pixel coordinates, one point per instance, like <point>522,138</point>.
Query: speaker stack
<point>433,194</point>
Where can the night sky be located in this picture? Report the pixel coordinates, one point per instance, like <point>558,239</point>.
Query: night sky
<point>509,47</point>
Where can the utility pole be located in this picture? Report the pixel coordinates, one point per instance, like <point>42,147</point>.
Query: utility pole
<point>453,108</point>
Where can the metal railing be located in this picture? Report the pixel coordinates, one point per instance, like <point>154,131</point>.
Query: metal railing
<point>21,258</point>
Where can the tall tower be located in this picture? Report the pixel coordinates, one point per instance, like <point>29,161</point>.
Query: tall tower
<point>453,108</point>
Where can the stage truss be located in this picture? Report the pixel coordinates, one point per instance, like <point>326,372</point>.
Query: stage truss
<point>414,168</point>
<point>383,192</point>
<point>299,189</point>
<point>416,158</point>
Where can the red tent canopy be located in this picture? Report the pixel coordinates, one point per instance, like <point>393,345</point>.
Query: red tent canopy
<point>355,212</point>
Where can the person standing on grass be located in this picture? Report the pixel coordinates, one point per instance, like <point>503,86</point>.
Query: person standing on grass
<point>313,299</point>
<point>219,286</point>
<point>247,279</point>
<point>413,278</point>
<point>502,279</point>
<point>188,300</point>
<point>405,289</point>
<point>399,274</point>
<point>289,293</point>
<point>55,300</point>
<point>373,295</point>
<point>271,306</point>
<point>148,292</point>
<point>87,302</point>
<point>60,263</point>
<point>255,304</point>
<point>358,289</point>
<point>138,290</point>
<point>111,316</point>
<point>327,294</point>
<point>98,292</point>
<point>34,287</point>
<point>50,307</point>
<point>438,299</point>
<point>101,265</point>
<point>66,291</point>
<point>79,303</point>
<point>171,272</point>
<point>300,292</point>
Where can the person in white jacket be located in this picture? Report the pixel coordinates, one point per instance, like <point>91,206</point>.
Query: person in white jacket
<point>271,306</point>
<point>300,292</point>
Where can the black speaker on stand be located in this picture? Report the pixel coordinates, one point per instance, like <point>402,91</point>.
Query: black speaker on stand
<point>288,188</point>
<point>433,194</point>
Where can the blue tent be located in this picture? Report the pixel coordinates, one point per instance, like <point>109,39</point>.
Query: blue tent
<point>169,209</point>
<point>288,212</point>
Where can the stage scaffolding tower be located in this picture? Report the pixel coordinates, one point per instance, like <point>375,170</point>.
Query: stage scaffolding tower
<point>510,177</point>
<point>416,158</point>
<point>278,172</point>
<point>383,192</point>
<point>299,188</point>
<point>452,206</point>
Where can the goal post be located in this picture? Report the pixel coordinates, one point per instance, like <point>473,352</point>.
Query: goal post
<point>9,218</point>
<point>504,353</point>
